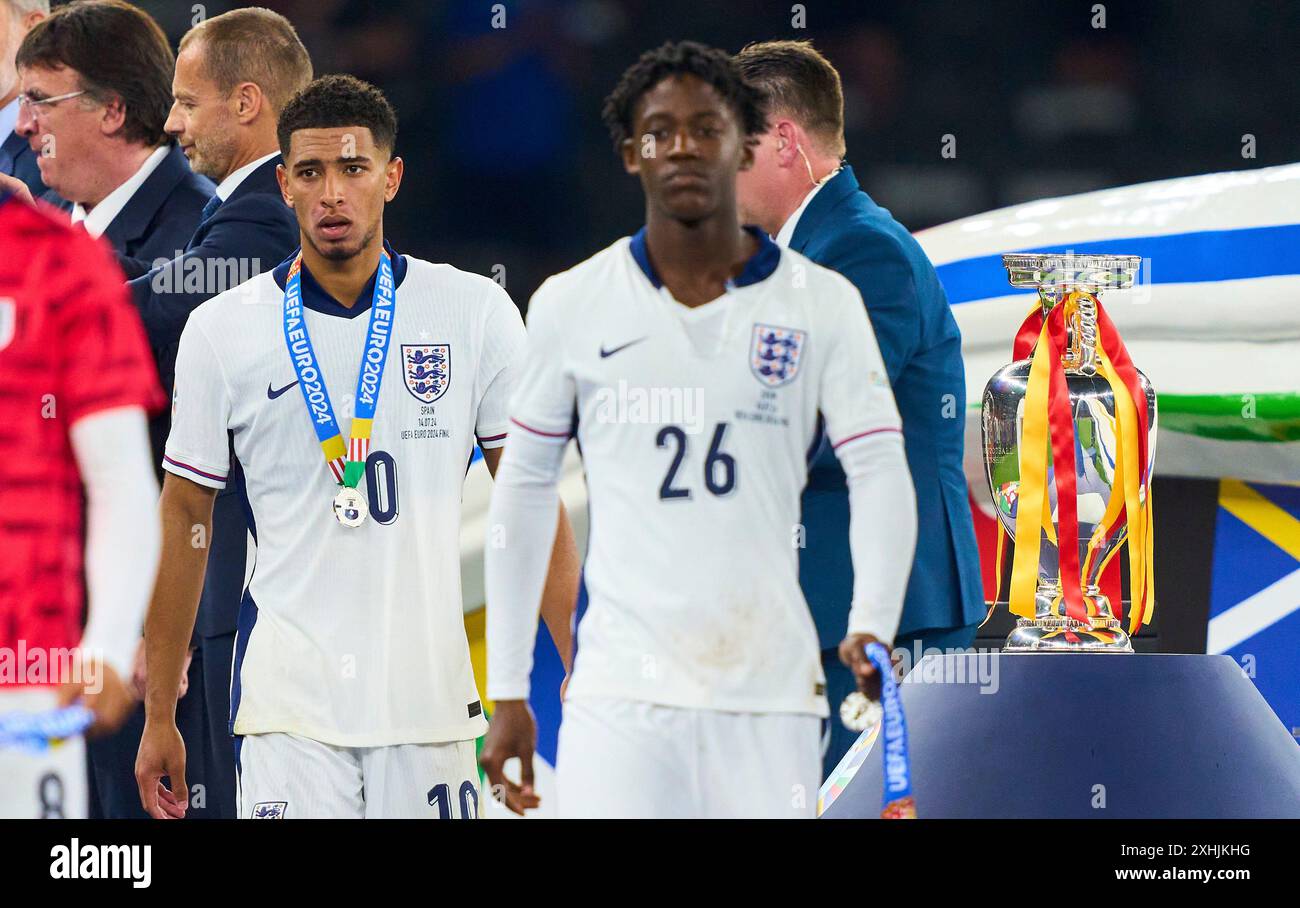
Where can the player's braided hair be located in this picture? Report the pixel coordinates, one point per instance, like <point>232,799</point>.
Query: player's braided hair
<point>677,59</point>
<point>339,100</point>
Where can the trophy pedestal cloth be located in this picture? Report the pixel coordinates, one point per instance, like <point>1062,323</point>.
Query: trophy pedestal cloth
<point>1181,737</point>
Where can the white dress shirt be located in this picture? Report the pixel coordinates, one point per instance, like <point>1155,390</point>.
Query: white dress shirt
<point>231,183</point>
<point>96,221</point>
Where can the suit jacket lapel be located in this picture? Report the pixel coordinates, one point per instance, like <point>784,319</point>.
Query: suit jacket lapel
<point>840,187</point>
<point>262,179</point>
<point>9,152</point>
<point>134,218</point>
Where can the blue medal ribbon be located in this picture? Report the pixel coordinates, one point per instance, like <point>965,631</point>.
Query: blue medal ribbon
<point>896,800</point>
<point>345,462</point>
<point>34,732</point>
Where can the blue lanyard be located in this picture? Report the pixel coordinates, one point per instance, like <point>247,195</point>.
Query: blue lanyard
<point>346,462</point>
<point>896,800</point>
<point>34,731</point>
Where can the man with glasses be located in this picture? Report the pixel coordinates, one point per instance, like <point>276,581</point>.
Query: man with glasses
<point>94,121</point>
<point>16,158</point>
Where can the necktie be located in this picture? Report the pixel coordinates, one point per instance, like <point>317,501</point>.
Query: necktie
<point>208,211</point>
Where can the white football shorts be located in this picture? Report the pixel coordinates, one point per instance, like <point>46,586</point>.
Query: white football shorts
<point>284,776</point>
<point>628,758</point>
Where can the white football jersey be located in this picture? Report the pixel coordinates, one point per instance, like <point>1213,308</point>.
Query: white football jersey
<point>695,427</point>
<point>351,636</point>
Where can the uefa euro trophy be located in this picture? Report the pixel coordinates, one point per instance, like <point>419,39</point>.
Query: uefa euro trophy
<point>1069,432</point>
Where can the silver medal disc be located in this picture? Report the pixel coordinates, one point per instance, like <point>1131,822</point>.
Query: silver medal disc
<point>350,507</point>
<point>858,713</point>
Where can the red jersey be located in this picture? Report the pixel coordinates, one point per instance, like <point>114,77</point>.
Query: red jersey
<point>71,345</point>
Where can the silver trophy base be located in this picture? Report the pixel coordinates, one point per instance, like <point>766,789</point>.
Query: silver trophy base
<point>1065,635</point>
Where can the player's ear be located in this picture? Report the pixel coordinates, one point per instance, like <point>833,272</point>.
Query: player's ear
<point>630,149</point>
<point>747,152</point>
<point>282,177</point>
<point>393,177</point>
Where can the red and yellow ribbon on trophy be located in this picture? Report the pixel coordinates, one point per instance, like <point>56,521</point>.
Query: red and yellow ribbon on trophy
<point>1055,339</point>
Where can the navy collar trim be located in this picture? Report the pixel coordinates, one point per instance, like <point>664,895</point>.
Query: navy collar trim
<point>315,297</point>
<point>760,266</point>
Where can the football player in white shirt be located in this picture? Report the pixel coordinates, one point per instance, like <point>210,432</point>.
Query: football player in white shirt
<point>352,692</point>
<point>701,361</point>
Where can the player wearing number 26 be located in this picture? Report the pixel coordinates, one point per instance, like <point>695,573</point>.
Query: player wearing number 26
<point>698,688</point>
<point>351,383</point>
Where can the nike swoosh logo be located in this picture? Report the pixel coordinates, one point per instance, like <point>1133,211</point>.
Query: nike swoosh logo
<point>604,353</point>
<point>272,395</point>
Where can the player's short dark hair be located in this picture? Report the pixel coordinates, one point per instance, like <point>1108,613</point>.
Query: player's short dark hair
<point>679,59</point>
<point>802,84</point>
<point>118,51</point>
<point>339,100</point>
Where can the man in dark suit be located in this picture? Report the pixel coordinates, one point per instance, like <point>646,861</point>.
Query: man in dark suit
<point>94,121</point>
<point>234,74</point>
<point>16,157</point>
<point>168,203</point>
<point>95,80</point>
<point>801,192</point>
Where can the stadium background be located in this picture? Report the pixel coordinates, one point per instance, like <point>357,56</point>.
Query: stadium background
<point>503,123</point>
<point>510,173</point>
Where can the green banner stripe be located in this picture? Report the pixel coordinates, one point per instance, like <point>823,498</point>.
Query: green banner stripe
<point>1283,406</point>
<point>1232,428</point>
<point>1229,417</point>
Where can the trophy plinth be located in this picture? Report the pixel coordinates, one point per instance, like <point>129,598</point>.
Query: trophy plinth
<point>1072,284</point>
<point>1020,759</point>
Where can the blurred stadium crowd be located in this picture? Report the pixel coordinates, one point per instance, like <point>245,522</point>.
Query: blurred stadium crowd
<point>510,166</point>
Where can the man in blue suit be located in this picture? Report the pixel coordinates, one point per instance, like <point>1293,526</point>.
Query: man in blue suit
<point>234,74</point>
<point>801,192</point>
<point>16,157</point>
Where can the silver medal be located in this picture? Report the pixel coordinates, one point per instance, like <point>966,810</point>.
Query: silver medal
<point>350,507</point>
<point>859,713</point>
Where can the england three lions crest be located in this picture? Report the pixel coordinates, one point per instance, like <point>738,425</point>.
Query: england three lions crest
<point>774,354</point>
<point>427,370</point>
<point>269,810</point>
